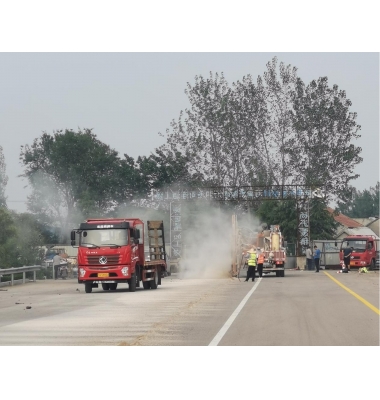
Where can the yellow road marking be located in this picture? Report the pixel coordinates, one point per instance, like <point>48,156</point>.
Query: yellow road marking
<point>369,305</point>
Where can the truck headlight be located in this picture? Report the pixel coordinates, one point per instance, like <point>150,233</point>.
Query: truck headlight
<point>82,272</point>
<point>124,271</point>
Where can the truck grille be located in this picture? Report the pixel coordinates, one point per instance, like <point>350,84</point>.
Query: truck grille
<point>111,260</point>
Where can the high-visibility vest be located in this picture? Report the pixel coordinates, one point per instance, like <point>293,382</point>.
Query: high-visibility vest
<point>261,259</point>
<point>252,260</point>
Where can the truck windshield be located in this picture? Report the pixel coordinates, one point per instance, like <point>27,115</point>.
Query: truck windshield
<point>358,245</point>
<point>104,237</point>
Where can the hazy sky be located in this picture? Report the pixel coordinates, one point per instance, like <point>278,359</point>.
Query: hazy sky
<point>127,98</point>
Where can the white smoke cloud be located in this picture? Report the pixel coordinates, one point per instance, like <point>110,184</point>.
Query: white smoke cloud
<point>208,243</point>
<point>207,240</point>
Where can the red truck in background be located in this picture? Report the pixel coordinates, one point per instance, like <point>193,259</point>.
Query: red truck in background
<point>364,250</point>
<point>111,251</point>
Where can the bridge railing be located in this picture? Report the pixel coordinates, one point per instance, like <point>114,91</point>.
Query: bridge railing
<point>13,271</point>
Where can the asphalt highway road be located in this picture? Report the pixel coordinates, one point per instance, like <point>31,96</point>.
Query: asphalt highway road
<point>302,309</point>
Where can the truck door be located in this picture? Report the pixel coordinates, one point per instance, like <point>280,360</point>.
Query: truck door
<point>370,251</point>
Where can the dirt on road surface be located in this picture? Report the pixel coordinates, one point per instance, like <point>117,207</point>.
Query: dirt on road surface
<point>304,308</point>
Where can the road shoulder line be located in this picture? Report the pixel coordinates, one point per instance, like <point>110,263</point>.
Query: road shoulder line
<point>364,301</point>
<point>229,322</point>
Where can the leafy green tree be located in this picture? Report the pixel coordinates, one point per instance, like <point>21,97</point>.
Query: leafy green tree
<point>275,131</point>
<point>8,233</point>
<point>72,174</point>
<point>284,213</point>
<point>132,181</point>
<point>7,225</point>
<point>3,179</point>
<point>161,170</point>
<point>279,89</point>
<point>322,152</point>
<point>362,204</point>
<point>27,244</point>
<point>213,134</point>
<point>322,224</point>
<point>20,240</point>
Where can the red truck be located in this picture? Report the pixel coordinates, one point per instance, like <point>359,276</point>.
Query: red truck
<point>111,251</point>
<point>274,251</point>
<point>364,250</point>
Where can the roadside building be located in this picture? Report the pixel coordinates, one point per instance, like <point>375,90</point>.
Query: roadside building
<point>371,223</point>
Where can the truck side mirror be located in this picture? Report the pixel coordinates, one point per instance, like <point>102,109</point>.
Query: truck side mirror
<point>336,244</point>
<point>72,236</point>
<point>73,243</point>
<point>137,234</point>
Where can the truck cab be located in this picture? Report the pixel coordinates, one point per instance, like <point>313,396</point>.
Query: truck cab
<point>111,251</point>
<point>364,250</point>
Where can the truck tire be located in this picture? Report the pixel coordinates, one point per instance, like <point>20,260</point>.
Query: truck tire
<point>154,282</point>
<point>88,287</point>
<point>146,285</point>
<point>372,265</point>
<point>282,274</point>
<point>159,275</point>
<point>112,286</point>
<point>105,286</point>
<point>138,275</point>
<point>132,283</point>
<point>278,273</point>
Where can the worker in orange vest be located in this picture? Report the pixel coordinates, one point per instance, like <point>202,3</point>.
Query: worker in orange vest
<point>260,263</point>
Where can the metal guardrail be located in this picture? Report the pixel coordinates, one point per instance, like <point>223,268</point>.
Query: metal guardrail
<point>23,270</point>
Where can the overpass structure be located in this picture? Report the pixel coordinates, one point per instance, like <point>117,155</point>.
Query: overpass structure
<point>172,199</point>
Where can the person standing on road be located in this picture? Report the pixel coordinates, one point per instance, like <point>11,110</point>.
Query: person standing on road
<point>252,258</point>
<point>309,258</point>
<point>317,257</point>
<point>347,252</point>
<point>260,263</point>
<point>56,263</point>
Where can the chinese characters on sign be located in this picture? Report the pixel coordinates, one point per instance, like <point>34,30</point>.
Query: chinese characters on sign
<point>173,198</point>
<point>175,230</point>
<point>225,193</point>
<point>303,234</point>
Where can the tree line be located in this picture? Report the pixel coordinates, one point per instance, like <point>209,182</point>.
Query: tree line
<point>275,130</point>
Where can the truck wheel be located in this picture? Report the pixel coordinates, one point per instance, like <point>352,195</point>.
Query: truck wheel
<point>88,287</point>
<point>132,283</point>
<point>283,274</point>
<point>146,285</point>
<point>138,275</point>
<point>373,264</point>
<point>154,282</point>
<point>278,273</point>
<point>159,275</point>
<point>112,286</point>
<point>105,286</point>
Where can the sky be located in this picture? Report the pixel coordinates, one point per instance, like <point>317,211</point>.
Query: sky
<point>129,97</point>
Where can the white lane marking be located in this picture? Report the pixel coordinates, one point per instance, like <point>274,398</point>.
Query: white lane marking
<point>226,326</point>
